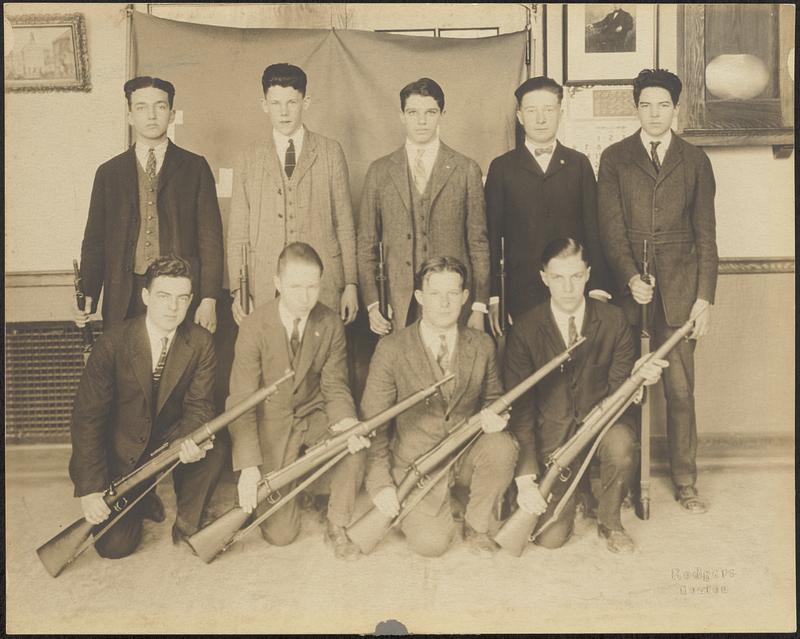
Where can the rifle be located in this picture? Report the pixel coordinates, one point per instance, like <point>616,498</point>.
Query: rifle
<point>502,305</point>
<point>244,283</point>
<point>60,551</point>
<point>223,532</point>
<point>518,528</point>
<point>644,337</point>
<point>367,531</point>
<point>80,298</point>
<point>381,279</point>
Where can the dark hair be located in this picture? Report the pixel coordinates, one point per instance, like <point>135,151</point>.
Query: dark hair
<point>445,264</point>
<point>657,78</point>
<point>167,266</point>
<point>563,247</point>
<point>284,75</point>
<point>424,87</point>
<point>144,81</point>
<point>298,252</point>
<point>538,83</point>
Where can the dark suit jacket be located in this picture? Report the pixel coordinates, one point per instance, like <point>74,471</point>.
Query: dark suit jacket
<point>530,208</point>
<point>401,367</point>
<point>112,419</point>
<point>456,225</point>
<point>318,395</point>
<point>189,226</point>
<point>673,210</point>
<point>546,416</point>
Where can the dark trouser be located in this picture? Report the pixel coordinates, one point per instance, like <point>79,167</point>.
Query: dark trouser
<point>136,306</point>
<point>194,484</point>
<point>485,471</point>
<point>617,454</point>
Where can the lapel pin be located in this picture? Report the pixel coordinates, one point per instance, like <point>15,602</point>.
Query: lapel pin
<point>562,162</point>
<point>316,333</point>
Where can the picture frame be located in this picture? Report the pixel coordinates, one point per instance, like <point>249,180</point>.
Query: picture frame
<point>48,52</point>
<point>608,44</point>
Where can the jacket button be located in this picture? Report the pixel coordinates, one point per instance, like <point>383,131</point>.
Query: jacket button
<point>408,263</point>
<point>141,439</point>
<point>408,237</point>
<point>656,209</point>
<point>280,215</point>
<point>658,230</point>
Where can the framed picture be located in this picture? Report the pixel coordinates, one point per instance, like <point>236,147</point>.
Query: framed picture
<point>609,43</point>
<point>47,53</point>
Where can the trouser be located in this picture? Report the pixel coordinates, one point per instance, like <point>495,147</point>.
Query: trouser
<point>617,454</point>
<point>344,479</point>
<point>194,484</point>
<point>485,472</point>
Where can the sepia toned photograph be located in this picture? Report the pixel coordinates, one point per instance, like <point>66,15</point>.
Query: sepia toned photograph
<point>380,319</point>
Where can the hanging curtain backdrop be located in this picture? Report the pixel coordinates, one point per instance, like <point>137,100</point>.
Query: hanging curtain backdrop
<point>354,81</point>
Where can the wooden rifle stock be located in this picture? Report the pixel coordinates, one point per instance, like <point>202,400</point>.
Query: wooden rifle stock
<point>517,529</point>
<point>244,283</point>
<point>368,531</point>
<point>209,541</point>
<point>644,339</point>
<point>501,309</point>
<point>60,551</point>
<point>381,279</point>
<point>80,299</point>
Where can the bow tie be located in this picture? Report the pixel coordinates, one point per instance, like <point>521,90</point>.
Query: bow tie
<point>546,150</point>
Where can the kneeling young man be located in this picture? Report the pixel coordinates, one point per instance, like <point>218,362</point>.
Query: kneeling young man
<point>416,357</point>
<point>294,331</point>
<point>544,418</point>
<point>149,380</point>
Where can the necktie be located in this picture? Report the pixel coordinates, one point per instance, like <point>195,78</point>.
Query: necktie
<point>162,360</point>
<point>572,330</point>
<point>443,356</point>
<point>654,156</point>
<point>290,162</point>
<point>294,340</point>
<point>150,169</point>
<point>420,175</point>
<point>545,150</point>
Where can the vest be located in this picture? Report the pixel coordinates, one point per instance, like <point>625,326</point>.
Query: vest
<point>421,216</point>
<point>147,244</point>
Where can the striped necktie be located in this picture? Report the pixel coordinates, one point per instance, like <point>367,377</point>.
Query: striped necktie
<point>443,356</point>
<point>654,155</point>
<point>420,174</point>
<point>159,370</point>
<point>290,161</point>
<point>572,330</point>
<point>150,169</point>
<point>294,340</point>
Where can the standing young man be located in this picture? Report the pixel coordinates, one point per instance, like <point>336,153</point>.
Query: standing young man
<point>154,199</point>
<point>654,186</point>
<point>292,186</point>
<point>422,200</point>
<point>534,194</point>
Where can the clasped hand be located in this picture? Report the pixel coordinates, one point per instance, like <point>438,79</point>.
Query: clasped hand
<point>356,442</point>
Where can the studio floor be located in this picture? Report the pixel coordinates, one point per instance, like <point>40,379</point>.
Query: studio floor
<point>732,569</point>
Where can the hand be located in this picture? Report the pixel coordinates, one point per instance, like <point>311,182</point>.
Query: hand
<point>343,424</point>
<point>356,442</point>
<point>348,305</point>
<point>249,479</point>
<point>494,319</point>
<point>378,323</point>
<point>206,314</point>
<point>386,501</point>
<point>651,371</point>
<point>78,316</point>
<point>642,291</point>
<point>191,452</point>
<point>236,309</point>
<point>95,509</point>
<point>600,295</point>
<point>491,422</point>
<point>475,320</point>
<point>703,321</point>
<point>528,496</point>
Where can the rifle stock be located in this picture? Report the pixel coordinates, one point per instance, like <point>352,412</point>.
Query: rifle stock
<point>644,466</point>
<point>62,549</point>
<point>80,299</point>
<point>368,530</point>
<point>244,283</point>
<point>209,541</point>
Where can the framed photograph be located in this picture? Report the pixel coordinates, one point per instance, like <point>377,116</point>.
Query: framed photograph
<point>47,53</point>
<point>609,43</point>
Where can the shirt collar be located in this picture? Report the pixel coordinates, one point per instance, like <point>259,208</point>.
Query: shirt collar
<point>562,318</point>
<point>287,318</point>
<point>430,335</point>
<point>664,139</point>
<point>431,147</point>
<point>142,148</point>
<point>282,141</point>
<point>155,334</point>
<point>532,147</point>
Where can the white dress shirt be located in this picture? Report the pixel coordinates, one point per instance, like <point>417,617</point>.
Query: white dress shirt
<point>430,151</point>
<point>159,150</point>
<point>287,319</point>
<point>155,334</point>
<point>562,319</point>
<point>661,149</point>
<point>542,160</point>
<point>430,337</point>
<point>282,143</point>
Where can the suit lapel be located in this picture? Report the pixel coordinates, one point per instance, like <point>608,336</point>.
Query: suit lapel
<point>308,346</point>
<point>640,155</point>
<point>131,184</point>
<point>465,362</point>
<point>589,330</point>
<point>527,162</point>
<point>270,169</point>
<point>275,336</point>
<point>550,332</point>
<point>141,360</point>
<point>418,362</point>
<point>178,358</point>
<point>442,168</point>
<point>308,156</point>
<point>558,160</point>
<point>399,174</point>
<point>672,159</point>
<point>173,158</point>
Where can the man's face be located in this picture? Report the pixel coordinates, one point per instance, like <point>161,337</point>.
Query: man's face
<point>285,106</point>
<point>150,115</point>
<point>656,111</point>
<point>421,118</point>
<point>566,278</point>
<point>441,299</point>
<point>539,114</point>
<point>298,285</point>
<point>167,301</point>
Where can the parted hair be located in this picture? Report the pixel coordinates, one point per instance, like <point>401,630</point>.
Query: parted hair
<point>167,266</point>
<point>144,81</point>
<point>563,247</point>
<point>284,74</point>
<point>424,87</point>
<point>444,264</point>
<point>298,252</point>
<point>657,78</point>
<point>539,83</point>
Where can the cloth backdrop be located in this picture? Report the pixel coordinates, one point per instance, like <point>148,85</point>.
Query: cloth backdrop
<point>354,81</point>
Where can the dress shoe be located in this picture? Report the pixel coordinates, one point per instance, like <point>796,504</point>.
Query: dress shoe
<point>689,501</point>
<point>343,548</point>
<point>616,540</point>
<point>178,535</point>
<point>153,508</point>
<point>479,543</point>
